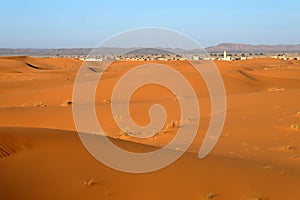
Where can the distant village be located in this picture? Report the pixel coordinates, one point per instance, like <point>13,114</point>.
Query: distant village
<point>225,56</point>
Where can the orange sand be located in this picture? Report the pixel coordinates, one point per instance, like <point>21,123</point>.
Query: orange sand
<point>257,155</point>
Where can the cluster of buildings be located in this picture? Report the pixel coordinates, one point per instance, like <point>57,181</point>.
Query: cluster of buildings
<point>244,56</point>
<point>166,57</point>
<point>225,56</point>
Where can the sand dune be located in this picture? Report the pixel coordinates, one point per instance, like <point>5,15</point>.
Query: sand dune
<point>257,155</point>
<point>56,166</point>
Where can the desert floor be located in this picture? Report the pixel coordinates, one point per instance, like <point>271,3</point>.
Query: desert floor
<point>256,157</point>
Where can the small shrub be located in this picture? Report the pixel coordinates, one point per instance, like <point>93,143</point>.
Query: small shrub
<point>90,182</point>
<point>211,196</point>
<point>255,198</point>
<point>67,103</point>
<point>40,104</point>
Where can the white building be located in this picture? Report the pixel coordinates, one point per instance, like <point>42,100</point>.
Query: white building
<point>226,58</point>
<point>195,57</point>
<point>91,59</point>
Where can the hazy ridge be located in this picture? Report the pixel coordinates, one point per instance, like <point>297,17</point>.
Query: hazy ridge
<point>229,47</point>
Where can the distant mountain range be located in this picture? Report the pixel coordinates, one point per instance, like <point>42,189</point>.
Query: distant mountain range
<point>242,48</point>
<point>229,47</point>
<point>149,51</point>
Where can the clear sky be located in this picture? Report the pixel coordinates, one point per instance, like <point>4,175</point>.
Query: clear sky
<point>85,23</point>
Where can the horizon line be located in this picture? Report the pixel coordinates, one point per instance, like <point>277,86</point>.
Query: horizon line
<point>219,44</point>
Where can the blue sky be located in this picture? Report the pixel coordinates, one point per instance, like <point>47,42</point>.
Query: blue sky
<point>59,24</point>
